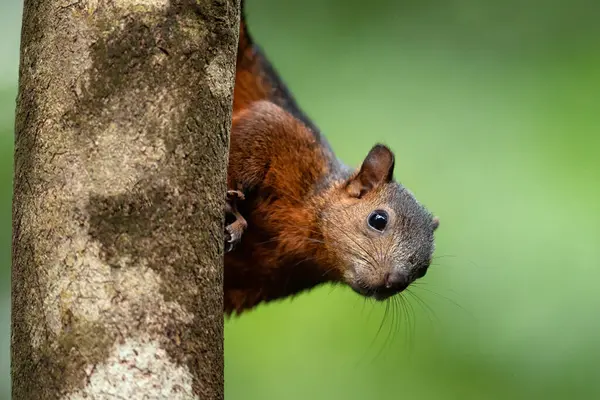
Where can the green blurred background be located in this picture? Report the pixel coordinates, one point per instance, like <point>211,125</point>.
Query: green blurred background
<point>493,109</point>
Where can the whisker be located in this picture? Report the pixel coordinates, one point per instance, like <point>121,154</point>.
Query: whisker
<point>425,307</point>
<point>381,324</point>
<point>383,346</point>
<point>445,256</point>
<point>441,296</point>
<point>413,325</point>
<point>405,320</point>
<point>398,319</point>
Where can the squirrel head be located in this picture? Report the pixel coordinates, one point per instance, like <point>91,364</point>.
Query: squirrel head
<point>379,237</point>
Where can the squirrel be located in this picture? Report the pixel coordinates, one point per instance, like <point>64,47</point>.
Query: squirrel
<point>298,217</point>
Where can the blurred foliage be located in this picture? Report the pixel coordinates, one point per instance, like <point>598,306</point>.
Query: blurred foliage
<point>493,110</point>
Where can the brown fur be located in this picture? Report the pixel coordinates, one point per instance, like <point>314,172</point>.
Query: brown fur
<point>275,161</point>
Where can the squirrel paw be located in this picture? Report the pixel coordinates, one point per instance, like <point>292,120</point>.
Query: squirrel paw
<point>233,196</point>
<point>235,224</point>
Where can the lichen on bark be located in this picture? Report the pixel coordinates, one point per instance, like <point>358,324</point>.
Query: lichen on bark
<point>121,146</point>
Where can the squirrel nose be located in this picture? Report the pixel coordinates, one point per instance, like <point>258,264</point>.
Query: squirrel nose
<point>397,279</point>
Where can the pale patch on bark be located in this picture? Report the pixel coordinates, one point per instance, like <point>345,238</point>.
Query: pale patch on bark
<point>219,78</point>
<point>92,287</point>
<point>121,159</point>
<point>136,367</point>
<point>93,4</point>
<point>150,3</point>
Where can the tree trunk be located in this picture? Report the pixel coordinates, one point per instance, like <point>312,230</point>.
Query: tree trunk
<point>122,135</point>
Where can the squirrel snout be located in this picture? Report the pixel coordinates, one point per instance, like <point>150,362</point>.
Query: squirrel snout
<point>397,279</point>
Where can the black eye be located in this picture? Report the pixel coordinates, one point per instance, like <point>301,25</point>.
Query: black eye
<point>378,220</point>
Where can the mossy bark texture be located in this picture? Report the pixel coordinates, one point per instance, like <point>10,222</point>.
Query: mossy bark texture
<point>122,135</point>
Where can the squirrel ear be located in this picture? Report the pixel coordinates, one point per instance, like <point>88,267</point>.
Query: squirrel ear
<point>376,169</point>
<point>435,223</point>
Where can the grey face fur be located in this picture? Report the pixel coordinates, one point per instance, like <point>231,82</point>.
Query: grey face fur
<point>393,258</point>
<point>380,262</point>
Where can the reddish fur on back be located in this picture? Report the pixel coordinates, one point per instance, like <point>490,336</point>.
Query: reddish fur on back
<point>276,160</point>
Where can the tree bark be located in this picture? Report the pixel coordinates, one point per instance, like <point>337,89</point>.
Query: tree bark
<point>122,135</point>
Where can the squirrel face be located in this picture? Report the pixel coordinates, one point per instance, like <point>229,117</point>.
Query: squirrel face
<point>380,237</point>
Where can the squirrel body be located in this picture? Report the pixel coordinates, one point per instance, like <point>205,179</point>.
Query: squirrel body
<point>299,217</point>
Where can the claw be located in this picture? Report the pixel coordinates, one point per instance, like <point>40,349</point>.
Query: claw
<point>235,195</point>
<point>235,229</point>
